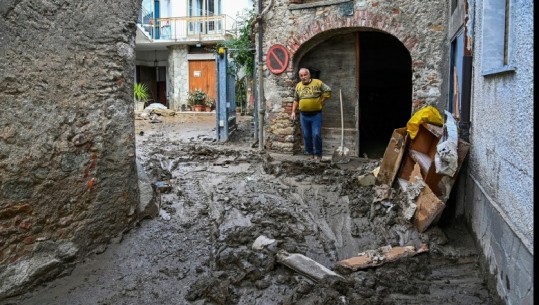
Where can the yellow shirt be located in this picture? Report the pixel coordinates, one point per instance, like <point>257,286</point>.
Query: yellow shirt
<point>309,95</point>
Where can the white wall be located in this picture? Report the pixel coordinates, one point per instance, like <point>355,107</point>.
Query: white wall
<point>502,124</point>
<point>233,7</point>
<point>499,190</point>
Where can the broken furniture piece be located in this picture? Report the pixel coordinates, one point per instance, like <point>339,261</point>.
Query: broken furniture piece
<point>382,255</point>
<point>421,151</point>
<point>401,157</point>
<point>392,158</point>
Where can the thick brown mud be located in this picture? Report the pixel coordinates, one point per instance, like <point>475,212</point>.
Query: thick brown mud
<point>224,197</point>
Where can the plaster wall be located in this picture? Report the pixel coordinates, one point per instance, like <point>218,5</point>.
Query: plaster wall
<point>68,182</point>
<point>500,171</point>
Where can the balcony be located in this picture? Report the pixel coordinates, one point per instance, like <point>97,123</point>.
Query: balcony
<point>178,30</point>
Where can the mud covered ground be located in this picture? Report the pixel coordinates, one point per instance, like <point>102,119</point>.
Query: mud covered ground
<point>199,250</point>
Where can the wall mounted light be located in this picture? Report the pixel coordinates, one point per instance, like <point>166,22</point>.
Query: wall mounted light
<point>221,52</point>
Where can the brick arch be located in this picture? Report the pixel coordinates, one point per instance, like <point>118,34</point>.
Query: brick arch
<point>360,19</point>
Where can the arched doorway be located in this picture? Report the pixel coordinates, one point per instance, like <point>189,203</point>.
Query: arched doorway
<point>385,94</point>
<point>373,72</point>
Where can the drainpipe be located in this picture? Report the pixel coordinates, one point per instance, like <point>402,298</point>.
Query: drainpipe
<point>467,62</point>
<point>464,123</point>
<point>261,108</point>
<point>261,101</point>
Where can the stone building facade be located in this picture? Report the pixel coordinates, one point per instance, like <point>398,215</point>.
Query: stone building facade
<point>68,183</point>
<point>309,31</point>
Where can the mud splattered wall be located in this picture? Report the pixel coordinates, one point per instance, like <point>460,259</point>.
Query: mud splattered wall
<point>420,27</point>
<point>67,152</point>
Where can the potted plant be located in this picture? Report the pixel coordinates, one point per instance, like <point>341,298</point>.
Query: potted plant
<point>197,99</point>
<point>210,103</point>
<point>141,93</point>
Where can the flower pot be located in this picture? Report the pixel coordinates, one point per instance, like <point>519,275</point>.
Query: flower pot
<point>208,109</point>
<point>140,106</point>
<point>198,108</point>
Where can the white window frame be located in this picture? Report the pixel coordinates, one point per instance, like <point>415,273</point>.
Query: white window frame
<point>497,37</point>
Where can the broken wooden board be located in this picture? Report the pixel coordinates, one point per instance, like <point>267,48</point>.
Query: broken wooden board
<point>392,158</point>
<point>382,255</point>
<point>429,206</point>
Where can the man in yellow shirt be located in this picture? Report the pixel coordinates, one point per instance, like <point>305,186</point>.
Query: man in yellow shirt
<point>309,98</point>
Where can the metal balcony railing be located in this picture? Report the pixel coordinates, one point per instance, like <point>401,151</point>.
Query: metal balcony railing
<point>188,28</point>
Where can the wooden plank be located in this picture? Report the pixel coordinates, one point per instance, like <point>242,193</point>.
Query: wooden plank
<point>392,157</point>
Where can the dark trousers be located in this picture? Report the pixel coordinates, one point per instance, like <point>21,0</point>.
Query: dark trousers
<point>311,127</point>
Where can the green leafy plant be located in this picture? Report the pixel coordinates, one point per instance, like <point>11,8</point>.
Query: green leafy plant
<point>141,92</point>
<point>242,53</point>
<point>243,45</point>
<point>210,102</point>
<point>197,97</point>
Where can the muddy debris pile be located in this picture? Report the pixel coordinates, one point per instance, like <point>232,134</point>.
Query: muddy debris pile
<point>284,230</point>
<point>229,224</point>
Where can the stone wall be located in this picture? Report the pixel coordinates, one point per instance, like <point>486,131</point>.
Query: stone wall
<point>68,183</point>
<point>178,75</point>
<point>422,28</point>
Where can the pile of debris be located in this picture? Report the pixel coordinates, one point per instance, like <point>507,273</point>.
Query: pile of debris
<point>421,164</point>
<point>153,111</point>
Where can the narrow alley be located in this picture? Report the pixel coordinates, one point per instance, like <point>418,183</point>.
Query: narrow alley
<point>227,214</point>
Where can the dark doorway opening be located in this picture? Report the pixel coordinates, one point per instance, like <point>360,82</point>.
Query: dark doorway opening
<point>385,90</point>
<point>155,79</point>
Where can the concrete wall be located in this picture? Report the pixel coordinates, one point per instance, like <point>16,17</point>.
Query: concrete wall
<point>497,197</point>
<point>67,154</point>
<point>421,28</point>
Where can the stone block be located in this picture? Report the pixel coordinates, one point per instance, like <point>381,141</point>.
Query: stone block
<point>305,265</point>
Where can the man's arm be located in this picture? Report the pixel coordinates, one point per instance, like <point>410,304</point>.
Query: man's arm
<point>294,108</point>
<point>326,93</point>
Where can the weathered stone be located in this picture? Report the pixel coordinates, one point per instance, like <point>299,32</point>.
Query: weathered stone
<point>66,92</point>
<point>366,180</point>
<point>18,189</point>
<point>71,162</point>
<point>421,31</point>
<point>18,209</point>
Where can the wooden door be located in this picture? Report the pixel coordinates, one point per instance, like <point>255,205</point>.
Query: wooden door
<point>202,76</point>
<point>337,60</point>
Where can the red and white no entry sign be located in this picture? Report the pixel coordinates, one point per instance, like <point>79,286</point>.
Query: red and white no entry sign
<point>277,59</point>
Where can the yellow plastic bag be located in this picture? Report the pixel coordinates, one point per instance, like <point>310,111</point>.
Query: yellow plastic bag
<point>427,114</point>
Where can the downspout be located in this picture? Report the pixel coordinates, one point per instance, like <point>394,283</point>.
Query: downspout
<point>261,108</point>
<point>261,102</point>
<point>464,123</point>
<point>467,63</point>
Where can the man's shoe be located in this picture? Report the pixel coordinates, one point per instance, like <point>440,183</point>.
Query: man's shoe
<point>317,159</point>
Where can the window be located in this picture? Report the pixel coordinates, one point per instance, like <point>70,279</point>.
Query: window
<point>205,8</point>
<point>496,51</point>
<point>456,77</point>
